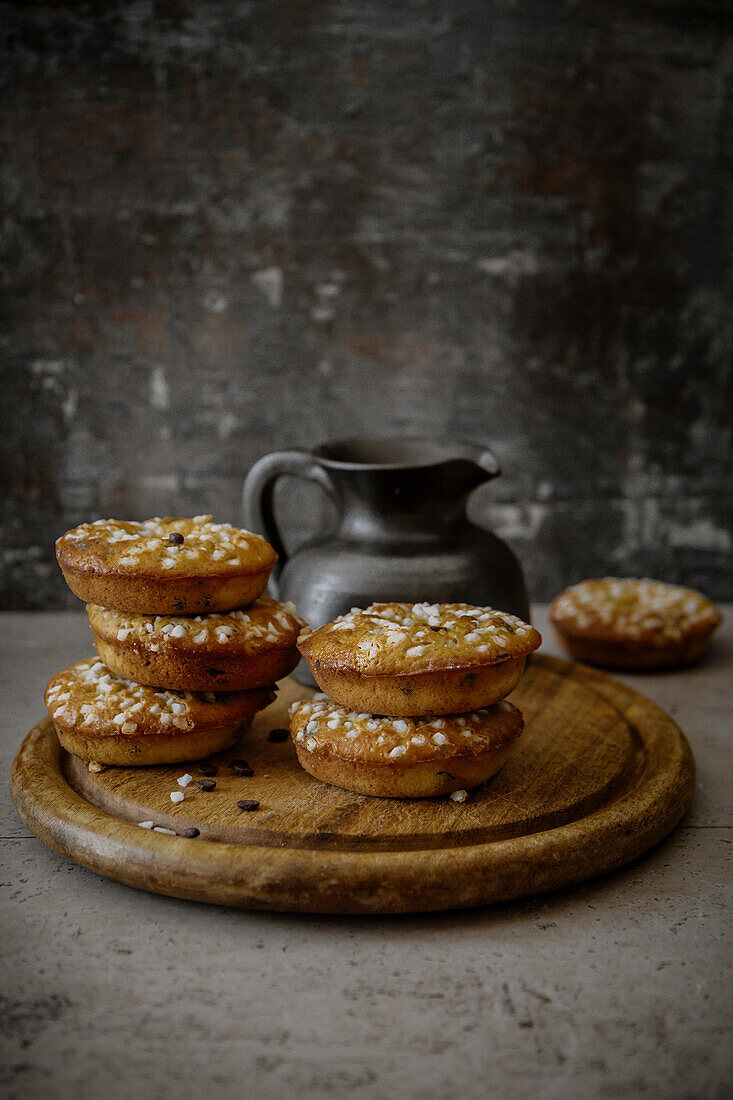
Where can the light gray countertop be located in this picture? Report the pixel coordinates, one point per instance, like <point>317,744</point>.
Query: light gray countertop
<point>617,988</point>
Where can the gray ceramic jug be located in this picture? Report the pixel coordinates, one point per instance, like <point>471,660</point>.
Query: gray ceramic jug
<point>401,531</point>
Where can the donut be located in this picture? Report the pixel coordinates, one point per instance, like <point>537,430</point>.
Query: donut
<point>633,623</point>
<point>165,566</point>
<point>104,718</point>
<point>228,651</point>
<point>402,757</point>
<point>419,659</point>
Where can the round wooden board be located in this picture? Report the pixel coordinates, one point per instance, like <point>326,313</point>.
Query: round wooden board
<point>599,776</point>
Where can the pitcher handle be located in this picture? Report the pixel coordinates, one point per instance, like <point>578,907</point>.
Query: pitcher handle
<point>258,495</point>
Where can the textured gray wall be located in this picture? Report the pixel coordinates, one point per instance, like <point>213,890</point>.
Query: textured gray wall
<point>230,227</point>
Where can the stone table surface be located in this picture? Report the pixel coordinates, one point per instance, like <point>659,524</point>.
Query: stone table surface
<point>618,988</point>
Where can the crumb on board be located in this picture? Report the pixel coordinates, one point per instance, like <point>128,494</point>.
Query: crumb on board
<point>459,796</point>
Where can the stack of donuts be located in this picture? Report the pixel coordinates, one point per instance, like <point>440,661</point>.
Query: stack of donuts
<point>188,648</point>
<point>413,701</point>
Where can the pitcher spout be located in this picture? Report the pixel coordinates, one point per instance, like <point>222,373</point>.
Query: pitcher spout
<point>473,464</point>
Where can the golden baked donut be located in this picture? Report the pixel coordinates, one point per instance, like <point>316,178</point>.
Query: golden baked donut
<point>165,566</point>
<point>102,717</point>
<point>634,624</point>
<point>402,757</point>
<point>416,659</point>
<point>232,651</point>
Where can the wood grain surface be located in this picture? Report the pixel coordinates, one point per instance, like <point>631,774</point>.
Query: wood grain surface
<point>599,776</point>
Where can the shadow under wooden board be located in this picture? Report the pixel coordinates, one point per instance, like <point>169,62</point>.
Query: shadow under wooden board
<point>599,775</point>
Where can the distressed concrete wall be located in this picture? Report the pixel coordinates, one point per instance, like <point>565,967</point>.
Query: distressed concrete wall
<point>230,227</point>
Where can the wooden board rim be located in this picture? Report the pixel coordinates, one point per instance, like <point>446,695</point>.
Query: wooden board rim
<point>328,881</point>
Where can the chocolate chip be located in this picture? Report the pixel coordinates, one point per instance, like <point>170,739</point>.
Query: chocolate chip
<point>206,784</point>
<point>278,735</point>
<point>240,767</point>
<point>248,804</point>
<point>175,538</point>
<point>208,769</point>
<point>189,832</point>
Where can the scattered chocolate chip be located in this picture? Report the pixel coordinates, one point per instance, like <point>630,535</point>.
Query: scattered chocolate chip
<point>206,784</point>
<point>189,832</point>
<point>176,538</point>
<point>278,735</point>
<point>240,767</point>
<point>248,804</point>
<point>208,769</point>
